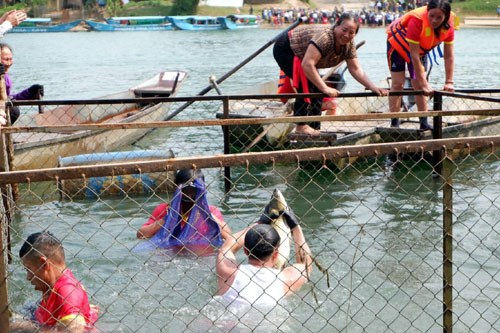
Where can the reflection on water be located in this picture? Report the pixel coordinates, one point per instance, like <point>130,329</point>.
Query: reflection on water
<point>378,231</point>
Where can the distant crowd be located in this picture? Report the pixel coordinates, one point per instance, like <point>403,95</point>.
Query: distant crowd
<point>381,12</point>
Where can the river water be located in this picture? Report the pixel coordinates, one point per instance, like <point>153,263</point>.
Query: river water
<point>356,221</point>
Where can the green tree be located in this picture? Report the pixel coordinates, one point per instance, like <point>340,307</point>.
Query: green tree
<point>112,7</point>
<point>185,7</point>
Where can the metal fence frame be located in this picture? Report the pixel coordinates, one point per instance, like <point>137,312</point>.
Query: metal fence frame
<point>443,167</point>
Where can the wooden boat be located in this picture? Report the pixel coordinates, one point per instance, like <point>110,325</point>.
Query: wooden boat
<point>273,136</point>
<point>41,150</point>
<point>43,25</point>
<point>236,21</point>
<point>195,22</point>
<point>98,26</point>
<point>144,183</point>
<point>340,133</point>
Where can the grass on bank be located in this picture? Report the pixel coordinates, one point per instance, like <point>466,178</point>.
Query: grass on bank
<point>145,8</point>
<point>475,7</point>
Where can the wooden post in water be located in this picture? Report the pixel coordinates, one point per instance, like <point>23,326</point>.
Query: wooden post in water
<point>4,218</point>
<point>447,170</point>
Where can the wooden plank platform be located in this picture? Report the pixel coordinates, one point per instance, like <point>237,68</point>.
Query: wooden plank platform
<point>324,136</point>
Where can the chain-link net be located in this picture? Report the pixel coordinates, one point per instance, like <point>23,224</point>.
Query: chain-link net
<point>378,218</point>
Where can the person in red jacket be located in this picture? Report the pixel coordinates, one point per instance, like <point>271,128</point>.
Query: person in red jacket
<point>409,40</point>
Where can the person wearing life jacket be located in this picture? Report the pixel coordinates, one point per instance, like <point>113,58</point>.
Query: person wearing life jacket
<point>305,49</point>
<point>409,40</point>
<point>188,222</point>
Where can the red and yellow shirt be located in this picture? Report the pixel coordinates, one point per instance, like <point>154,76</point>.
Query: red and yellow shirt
<point>67,300</point>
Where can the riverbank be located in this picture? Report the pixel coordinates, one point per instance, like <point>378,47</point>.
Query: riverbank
<point>469,11</point>
<point>481,21</point>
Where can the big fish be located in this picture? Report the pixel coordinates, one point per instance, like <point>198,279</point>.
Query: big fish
<point>274,212</point>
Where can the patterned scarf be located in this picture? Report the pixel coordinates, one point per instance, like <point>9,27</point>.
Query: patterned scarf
<point>200,231</point>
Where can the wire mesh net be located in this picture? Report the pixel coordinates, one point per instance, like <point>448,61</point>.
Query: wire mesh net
<point>376,217</point>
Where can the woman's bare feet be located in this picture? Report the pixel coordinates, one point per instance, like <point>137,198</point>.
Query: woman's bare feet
<point>306,129</point>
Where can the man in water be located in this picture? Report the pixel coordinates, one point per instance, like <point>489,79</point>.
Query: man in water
<point>64,305</point>
<point>257,283</point>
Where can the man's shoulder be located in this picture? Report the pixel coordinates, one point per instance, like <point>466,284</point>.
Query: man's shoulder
<point>66,280</point>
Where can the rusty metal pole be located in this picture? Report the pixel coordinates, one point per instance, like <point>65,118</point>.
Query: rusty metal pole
<point>447,173</point>
<point>227,145</point>
<point>4,221</point>
<point>4,299</point>
<point>437,132</point>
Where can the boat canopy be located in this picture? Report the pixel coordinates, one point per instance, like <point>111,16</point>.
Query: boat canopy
<point>137,20</point>
<point>196,19</point>
<point>31,21</point>
<point>243,19</point>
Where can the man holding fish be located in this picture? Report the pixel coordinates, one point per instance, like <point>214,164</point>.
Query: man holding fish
<point>263,281</point>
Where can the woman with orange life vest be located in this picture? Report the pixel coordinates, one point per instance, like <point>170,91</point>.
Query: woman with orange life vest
<point>305,49</point>
<point>410,39</point>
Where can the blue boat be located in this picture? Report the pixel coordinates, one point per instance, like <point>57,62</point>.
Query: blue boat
<point>140,183</point>
<point>196,22</point>
<point>98,26</point>
<point>236,21</point>
<point>43,25</point>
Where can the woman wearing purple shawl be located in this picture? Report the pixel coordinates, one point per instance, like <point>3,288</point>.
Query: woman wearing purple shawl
<point>188,223</point>
<point>35,92</point>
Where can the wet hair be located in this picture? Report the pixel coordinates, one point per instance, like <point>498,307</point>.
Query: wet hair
<point>42,244</point>
<point>445,6</point>
<point>187,175</point>
<point>261,241</point>
<point>347,17</point>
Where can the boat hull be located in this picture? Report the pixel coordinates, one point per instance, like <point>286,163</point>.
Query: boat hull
<point>341,133</point>
<point>235,22</point>
<point>42,150</point>
<point>97,26</point>
<point>49,28</point>
<point>194,23</point>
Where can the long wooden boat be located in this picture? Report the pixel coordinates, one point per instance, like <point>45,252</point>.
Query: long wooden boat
<point>196,22</point>
<point>42,150</point>
<point>99,26</point>
<point>236,21</point>
<point>340,133</point>
<point>273,136</point>
<point>43,25</point>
